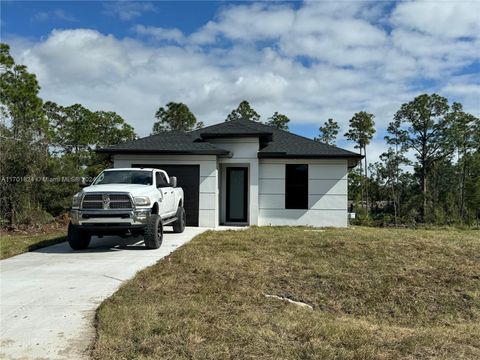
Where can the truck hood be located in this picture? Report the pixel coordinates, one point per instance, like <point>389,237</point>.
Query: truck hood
<point>134,189</point>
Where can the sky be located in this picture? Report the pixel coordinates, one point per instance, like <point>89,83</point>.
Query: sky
<point>308,60</point>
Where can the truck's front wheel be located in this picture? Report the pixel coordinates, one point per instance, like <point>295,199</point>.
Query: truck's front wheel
<point>77,239</point>
<point>179,225</point>
<point>154,232</point>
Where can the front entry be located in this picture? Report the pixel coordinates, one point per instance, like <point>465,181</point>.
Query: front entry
<point>237,194</point>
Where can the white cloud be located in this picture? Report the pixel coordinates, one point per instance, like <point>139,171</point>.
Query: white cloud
<point>465,89</point>
<point>446,19</point>
<point>435,56</point>
<point>134,79</point>
<point>436,39</point>
<point>127,10</point>
<point>159,33</point>
<point>76,57</point>
<point>248,23</point>
<point>348,62</point>
<point>57,14</point>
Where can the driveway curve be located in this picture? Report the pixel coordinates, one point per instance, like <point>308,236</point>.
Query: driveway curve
<point>48,297</point>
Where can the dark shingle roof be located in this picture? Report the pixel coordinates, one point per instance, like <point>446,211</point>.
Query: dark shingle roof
<point>234,128</point>
<point>166,143</point>
<point>275,143</point>
<point>280,143</point>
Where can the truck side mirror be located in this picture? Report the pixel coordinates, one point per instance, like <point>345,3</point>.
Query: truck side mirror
<point>173,181</point>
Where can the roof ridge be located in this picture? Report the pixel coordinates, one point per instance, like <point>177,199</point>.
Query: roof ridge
<point>225,122</point>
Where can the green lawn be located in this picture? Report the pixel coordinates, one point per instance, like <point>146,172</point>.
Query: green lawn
<point>376,294</point>
<point>11,245</point>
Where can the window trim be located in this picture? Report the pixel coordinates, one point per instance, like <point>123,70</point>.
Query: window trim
<point>228,218</point>
<point>303,207</point>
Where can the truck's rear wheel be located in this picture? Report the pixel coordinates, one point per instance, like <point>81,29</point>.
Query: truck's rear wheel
<point>77,239</point>
<point>153,232</point>
<point>179,225</point>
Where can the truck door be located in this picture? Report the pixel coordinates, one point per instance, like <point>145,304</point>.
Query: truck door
<point>168,197</point>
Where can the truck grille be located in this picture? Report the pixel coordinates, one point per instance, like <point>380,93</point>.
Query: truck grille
<point>106,201</point>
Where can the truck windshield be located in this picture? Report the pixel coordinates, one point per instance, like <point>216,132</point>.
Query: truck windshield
<point>124,177</point>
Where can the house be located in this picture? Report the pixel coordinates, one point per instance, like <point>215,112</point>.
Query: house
<point>243,172</point>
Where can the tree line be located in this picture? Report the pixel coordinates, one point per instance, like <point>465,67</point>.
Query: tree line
<point>178,117</point>
<point>429,174</point>
<point>46,148</point>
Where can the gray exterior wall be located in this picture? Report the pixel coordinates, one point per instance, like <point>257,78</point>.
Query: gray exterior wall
<point>327,198</point>
<point>327,194</point>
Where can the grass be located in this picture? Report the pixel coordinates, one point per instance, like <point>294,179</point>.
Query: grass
<point>11,245</point>
<point>376,294</point>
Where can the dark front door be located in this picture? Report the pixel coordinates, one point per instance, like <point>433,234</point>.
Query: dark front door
<point>237,194</point>
<point>188,178</point>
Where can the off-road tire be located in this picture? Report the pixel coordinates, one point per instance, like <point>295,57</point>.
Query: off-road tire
<point>153,232</point>
<point>78,239</point>
<point>179,225</point>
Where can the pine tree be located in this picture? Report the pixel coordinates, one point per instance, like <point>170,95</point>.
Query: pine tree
<point>328,132</point>
<point>243,111</point>
<point>426,133</point>
<point>362,128</point>
<point>174,116</point>
<point>280,121</point>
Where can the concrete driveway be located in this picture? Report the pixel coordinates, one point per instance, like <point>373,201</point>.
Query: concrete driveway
<point>48,297</point>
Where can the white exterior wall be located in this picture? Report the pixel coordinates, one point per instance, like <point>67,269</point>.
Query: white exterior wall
<point>244,153</point>
<point>208,203</point>
<point>327,185</point>
<point>327,194</point>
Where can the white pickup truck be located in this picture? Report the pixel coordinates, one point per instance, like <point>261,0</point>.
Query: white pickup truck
<point>131,201</point>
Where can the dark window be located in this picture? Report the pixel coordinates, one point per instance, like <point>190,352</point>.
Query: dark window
<point>161,180</point>
<point>296,186</point>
